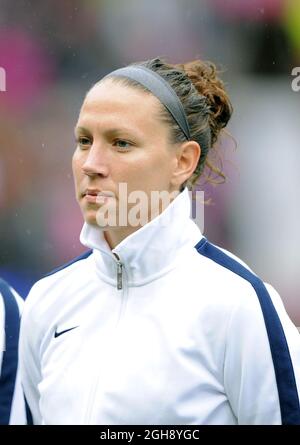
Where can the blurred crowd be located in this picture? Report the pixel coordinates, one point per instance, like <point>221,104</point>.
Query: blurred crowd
<point>53,51</point>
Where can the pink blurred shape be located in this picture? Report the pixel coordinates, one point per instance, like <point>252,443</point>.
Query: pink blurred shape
<point>29,70</point>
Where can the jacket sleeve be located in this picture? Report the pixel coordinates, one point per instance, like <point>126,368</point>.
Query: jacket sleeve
<point>249,374</point>
<point>29,358</point>
<point>12,404</point>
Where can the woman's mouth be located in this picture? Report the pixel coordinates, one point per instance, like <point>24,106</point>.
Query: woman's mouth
<point>95,196</point>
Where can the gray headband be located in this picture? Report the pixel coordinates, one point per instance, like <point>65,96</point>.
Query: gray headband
<point>160,88</point>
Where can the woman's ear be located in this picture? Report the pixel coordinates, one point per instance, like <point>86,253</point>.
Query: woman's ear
<point>187,157</point>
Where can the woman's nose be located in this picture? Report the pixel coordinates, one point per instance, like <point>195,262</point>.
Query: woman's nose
<point>96,162</point>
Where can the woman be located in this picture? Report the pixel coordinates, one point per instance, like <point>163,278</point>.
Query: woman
<point>12,406</point>
<point>154,324</point>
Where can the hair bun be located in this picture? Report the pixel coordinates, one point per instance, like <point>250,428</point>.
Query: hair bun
<point>204,76</point>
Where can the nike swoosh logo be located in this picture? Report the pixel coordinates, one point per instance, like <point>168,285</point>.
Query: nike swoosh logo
<point>57,334</point>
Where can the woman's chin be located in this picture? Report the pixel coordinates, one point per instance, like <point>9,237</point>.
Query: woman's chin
<point>90,217</point>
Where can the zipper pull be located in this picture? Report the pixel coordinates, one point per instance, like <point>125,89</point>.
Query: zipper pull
<point>119,275</point>
<point>119,272</point>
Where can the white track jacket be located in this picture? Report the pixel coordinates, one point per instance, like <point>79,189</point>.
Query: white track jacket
<point>164,329</point>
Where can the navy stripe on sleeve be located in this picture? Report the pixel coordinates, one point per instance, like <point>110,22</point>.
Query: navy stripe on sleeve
<point>10,355</point>
<point>285,377</point>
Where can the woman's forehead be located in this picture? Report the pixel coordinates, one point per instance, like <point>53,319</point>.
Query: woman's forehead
<point>110,100</point>
<point>113,92</point>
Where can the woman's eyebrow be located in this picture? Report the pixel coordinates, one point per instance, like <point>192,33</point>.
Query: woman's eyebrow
<point>81,129</point>
<point>108,131</point>
<point>118,130</point>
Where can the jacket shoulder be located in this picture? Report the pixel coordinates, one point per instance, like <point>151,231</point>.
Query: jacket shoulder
<point>58,275</point>
<point>271,316</point>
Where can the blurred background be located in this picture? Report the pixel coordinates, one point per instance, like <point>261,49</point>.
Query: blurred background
<point>53,51</point>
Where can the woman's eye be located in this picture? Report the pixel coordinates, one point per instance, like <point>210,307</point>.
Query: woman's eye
<point>83,141</point>
<point>123,144</point>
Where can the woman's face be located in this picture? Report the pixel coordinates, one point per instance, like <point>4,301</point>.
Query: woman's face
<point>120,139</point>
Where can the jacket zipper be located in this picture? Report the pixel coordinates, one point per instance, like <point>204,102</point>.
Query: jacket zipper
<point>119,274</point>
<point>119,287</point>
